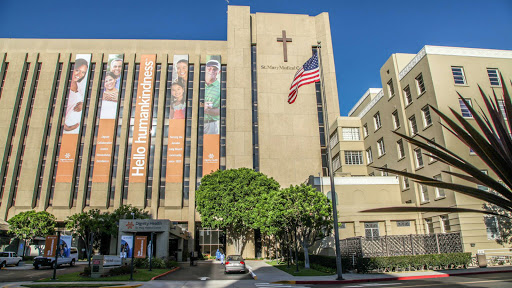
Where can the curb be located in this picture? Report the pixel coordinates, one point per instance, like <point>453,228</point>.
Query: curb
<point>386,278</point>
<point>165,273</point>
<point>129,286</point>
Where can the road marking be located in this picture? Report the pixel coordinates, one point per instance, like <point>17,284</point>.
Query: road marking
<point>204,278</point>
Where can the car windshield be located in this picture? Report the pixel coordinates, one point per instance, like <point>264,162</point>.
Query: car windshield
<point>235,258</point>
<point>3,254</point>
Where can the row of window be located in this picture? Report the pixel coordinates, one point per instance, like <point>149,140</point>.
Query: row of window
<point>459,76</point>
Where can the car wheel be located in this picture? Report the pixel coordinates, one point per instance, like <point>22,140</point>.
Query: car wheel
<point>18,264</point>
<point>72,263</point>
<point>3,264</point>
<point>36,267</point>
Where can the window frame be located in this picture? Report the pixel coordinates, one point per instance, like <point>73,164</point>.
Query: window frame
<point>381,147</point>
<point>351,131</point>
<point>424,193</point>
<point>445,223</point>
<point>400,149</point>
<point>420,84</point>
<point>372,227</point>
<point>354,156</point>
<point>396,120</point>
<point>414,128</point>
<point>391,88</point>
<point>440,194</point>
<point>461,77</point>
<point>429,224</point>
<point>463,107</point>
<point>492,235</point>
<point>407,95</point>
<point>497,72</point>
<point>418,158</point>
<point>336,160</point>
<point>405,182</point>
<point>334,138</point>
<point>427,118</point>
<point>377,121</point>
<point>369,155</point>
<point>365,130</point>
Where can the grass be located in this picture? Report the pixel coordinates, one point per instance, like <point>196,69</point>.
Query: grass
<point>302,271</point>
<point>66,285</point>
<point>139,275</point>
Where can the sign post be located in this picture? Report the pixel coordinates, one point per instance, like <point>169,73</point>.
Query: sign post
<point>56,255</point>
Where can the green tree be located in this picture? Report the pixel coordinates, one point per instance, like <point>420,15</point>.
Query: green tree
<point>124,212</point>
<point>27,225</point>
<point>228,200</point>
<point>492,143</point>
<point>87,225</point>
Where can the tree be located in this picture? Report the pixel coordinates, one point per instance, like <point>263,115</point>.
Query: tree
<point>228,200</point>
<point>491,142</point>
<point>30,224</point>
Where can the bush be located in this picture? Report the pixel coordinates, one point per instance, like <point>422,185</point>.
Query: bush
<point>122,270</point>
<point>170,263</point>
<point>87,271</point>
<point>156,263</point>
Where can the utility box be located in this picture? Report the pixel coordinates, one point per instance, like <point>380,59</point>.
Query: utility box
<point>482,261</point>
<point>97,266</point>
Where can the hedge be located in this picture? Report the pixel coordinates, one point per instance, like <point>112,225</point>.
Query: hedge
<point>394,263</point>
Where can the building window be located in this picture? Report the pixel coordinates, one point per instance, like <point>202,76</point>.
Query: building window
<point>336,162</point>
<point>420,85</point>
<point>400,149</point>
<point>371,230</point>
<point>354,158</point>
<point>494,77</point>
<point>429,225</point>
<point>430,158</point>
<point>396,120</point>
<point>350,134</point>
<point>380,146</point>
<point>403,223</point>
<point>464,109</point>
<point>419,158</point>
<point>405,182</point>
<point>491,225</point>
<point>342,225</point>
<point>501,105</point>
<point>439,191</point>
<point>365,130</point>
<point>427,120</point>
<point>391,89</point>
<point>369,156</point>
<point>424,193</point>
<point>376,121</point>
<point>458,75</point>
<point>334,139</point>
<point>407,95</point>
<point>482,187</point>
<point>413,126</point>
<point>383,172</point>
<point>445,224</point>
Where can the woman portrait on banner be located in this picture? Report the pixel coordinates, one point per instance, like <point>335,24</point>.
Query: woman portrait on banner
<point>76,97</point>
<point>178,100</point>
<point>182,72</point>
<point>110,97</point>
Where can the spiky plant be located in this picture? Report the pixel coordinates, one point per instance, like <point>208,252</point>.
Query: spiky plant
<point>492,143</point>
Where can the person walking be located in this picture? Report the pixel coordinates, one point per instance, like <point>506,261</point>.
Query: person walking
<point>222,258</point>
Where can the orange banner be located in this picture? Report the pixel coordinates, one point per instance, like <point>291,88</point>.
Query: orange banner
<point>175,140</point>
<point>72,120</point>
<point>108,114</point>
<point>142,123</point>
<point>211,106</point>
<point>140,248</point>
<point>50,246</point>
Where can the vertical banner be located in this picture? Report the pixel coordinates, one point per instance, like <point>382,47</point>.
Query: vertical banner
<point>73,118</point>
<point>211,106</point>
<point>65,246</point>
<point>50,246</point>
<point>140,246</point>
<point>126,242</point>
<point>108,114</point>
<point>142,123</point>
<point>175,141</point>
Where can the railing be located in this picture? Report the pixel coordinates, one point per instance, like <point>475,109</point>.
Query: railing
<point>401,245</point>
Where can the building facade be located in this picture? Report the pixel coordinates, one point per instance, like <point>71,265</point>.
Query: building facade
<point>411,83</point>
<point>95,124</point>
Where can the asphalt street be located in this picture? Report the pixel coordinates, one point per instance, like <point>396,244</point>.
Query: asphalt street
<point>204,271</point>
<point>28,273</point>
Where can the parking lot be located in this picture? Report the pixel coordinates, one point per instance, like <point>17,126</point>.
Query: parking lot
<point>27,272</point>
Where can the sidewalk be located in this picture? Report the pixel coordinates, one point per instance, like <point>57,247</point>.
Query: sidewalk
<point>267,273</point>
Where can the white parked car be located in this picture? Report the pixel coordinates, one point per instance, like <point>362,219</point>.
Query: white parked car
<point>9,258</point>
<point>61,260</point>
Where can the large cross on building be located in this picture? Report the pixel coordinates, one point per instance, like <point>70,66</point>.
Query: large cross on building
<point>284,40</point>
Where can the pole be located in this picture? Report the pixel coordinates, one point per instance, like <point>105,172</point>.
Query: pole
<point>331,176</point>
<point>56,255</point>
<point>132,250</point>
<point>151,251</point>
<point>89,248</point>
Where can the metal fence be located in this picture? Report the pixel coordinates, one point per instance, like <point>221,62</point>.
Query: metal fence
<point>400,245</point>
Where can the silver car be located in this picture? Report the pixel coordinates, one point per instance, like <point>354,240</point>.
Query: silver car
<point>234,263</point>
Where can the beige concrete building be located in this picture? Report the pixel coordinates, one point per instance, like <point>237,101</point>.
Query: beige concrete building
<point>258,129</point>
<point>411,82</point>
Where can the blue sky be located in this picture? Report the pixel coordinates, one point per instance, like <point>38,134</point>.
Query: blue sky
<point>365,33</point>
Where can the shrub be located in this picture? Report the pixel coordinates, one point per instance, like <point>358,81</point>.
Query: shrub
<point>170,263</point>
<point>139,262</point>
<point>122,270</point>
<point>87,271</point>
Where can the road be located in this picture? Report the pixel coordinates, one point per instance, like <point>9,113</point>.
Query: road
<point>204,271</point>
<point>497,280</point>
<point>28,273</point>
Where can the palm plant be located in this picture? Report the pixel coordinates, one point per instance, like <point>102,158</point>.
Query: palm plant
<point>492,143</point>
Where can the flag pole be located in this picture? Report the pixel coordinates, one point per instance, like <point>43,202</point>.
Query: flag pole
<point>331,176</point>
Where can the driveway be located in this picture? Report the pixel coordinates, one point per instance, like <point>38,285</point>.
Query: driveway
<point>205,270</point>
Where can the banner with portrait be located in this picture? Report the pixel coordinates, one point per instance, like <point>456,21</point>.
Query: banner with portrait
<point>125,250</point>
<point>177,120</point>
<point>72,118</point>
<point>142,122</point>
<point>109,103</point>
<point>65,246</point>
<point>211,107</point>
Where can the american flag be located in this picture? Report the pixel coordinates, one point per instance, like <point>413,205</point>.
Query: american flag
<point>307,74</point>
